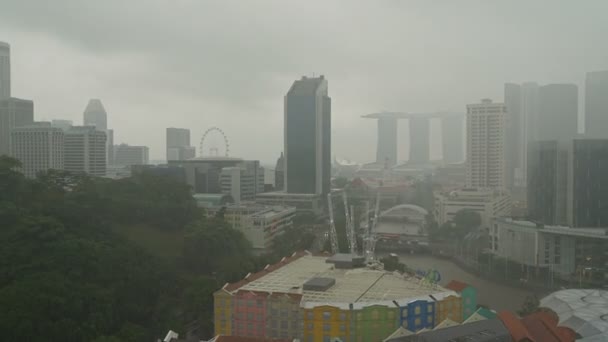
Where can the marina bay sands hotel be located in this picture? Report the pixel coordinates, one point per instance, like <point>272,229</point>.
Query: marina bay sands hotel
<point>420,133</point>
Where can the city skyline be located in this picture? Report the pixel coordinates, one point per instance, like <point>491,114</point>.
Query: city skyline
<point>416,77</point>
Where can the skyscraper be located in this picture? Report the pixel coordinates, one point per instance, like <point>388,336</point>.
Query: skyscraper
<point>558,112</point>
<point>5,71</point>
<point>39,147</point>
<point>178,144</point>
<point>307,122</point>
<point>522,104</point>
<point>420,145</point>
<point>13,113</point>
<point>452,139</point>
<point>279,173</point>
<point>386,152</point>
<point>596,104</point>
<point>485,162</point>
<point>95,115</point>
<point>567,182</point>
<point>85,150</point>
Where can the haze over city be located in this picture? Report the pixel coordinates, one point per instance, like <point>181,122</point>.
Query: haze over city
<point>199,64</point>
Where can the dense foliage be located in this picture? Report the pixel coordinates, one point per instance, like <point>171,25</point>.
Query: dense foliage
<point>68,274</point>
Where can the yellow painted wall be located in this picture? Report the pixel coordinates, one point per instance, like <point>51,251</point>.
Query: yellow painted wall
<point>326,321</point>
<point>450,307</point>
<point>222,302</point>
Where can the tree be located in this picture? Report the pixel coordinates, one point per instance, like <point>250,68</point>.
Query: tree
<point>530,305</point>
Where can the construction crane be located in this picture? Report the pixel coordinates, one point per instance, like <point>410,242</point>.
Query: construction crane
<point>370,240</point>
<point>333,236</point>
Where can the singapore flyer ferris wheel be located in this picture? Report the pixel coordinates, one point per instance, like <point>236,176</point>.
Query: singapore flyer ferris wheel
<point>211,141</point>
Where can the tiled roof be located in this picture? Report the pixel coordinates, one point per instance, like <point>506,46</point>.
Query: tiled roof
<point>516,328</point>
<point>457,286</point>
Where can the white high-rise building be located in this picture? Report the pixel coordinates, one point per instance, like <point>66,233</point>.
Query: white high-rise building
<point>5,71</point>
<point>242,182</point>
<point>486,125</point>
<point>39,147</point>
<point>126,155</point>
<point>85,150</point>
<point>13,113</point>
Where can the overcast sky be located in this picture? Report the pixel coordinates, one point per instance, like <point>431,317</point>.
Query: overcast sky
<point>197,64</point>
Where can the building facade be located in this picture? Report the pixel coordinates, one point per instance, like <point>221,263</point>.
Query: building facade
<point>95,115</point>
<point>563,250</point>
<point>5,71</point>
<point>85,150</point>
<point>486,128</point>
<point>126,155</point>
<point>243,182</point>
<point>522,104</point>
<point>307,297</point>
<point>178,144</point>
<point>452,139</point>
<point>279,174</point>
<point>13,113</point>
<point>307,125</point>
<point>39,147</point>
<point>596,104</point>
<point>63,124</point>
<point>386,150</point>
<point>259,223</point>
<point>558,112</point>
<point>420,144</point>
<point>488,203</point>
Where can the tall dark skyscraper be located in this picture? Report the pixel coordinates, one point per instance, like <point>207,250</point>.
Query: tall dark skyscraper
<point>5,71</point>
<point>452,139</point>
<point>558,112</point>
<point>386,151</point>
<point>307,125</point>
<point>95,115</point>
<point>596,104</point>
<point>420,145</point>
<point>588,185</point>
<point>567,182</point>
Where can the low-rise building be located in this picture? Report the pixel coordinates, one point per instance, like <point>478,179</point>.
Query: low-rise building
<point>242,182</point>
<point>127,155</point>
<point>568,252</point>
<point>488,203</point>
<point>260,224</point>
<point>302,202</point>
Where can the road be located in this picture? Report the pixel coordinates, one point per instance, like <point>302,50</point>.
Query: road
<point>494,295</point>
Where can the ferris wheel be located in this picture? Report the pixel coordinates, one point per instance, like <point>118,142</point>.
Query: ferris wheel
<point>210,140</point>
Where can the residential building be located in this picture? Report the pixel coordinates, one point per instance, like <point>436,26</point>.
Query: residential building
<point>39,147</point>
<point>259,223</point>
<point>563,250</point>
<point>5,71</point>
<point>279,174</point>
<point>127,155</point>
<point>322,298</point>
<point>486,128</point>
<point>488,203</point>
<point>452,139</point>
<point>307,122</point>
<point>85,150</point>
<point>565,182</point>
<point>63,124</point>
<point>420,144</point>
<point>13,113</point>
<point>242,182</point>
<point>522,104</point>
<point>596,104</point>
<point>178,144</point>
<point>557,112</point>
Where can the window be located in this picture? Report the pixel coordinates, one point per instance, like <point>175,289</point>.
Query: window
<point>342,327</point>
<point>309,315</point>
<point>375,314</point>
<point>250,316</point>
<point>310,326</point>
<point>418,321</point>
<point>429,319</point>
<point>429,308</point>
<point>326,315</point>
<point>284,325</point>
<point>342,316</point>
<point>326,327</point>
<point>404,313</point>
<point>417,310</point>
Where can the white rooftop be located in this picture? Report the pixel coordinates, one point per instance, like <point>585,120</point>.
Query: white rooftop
<point>359,286</point>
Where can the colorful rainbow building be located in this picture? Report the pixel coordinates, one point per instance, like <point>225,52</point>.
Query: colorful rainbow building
<point>326,298</point>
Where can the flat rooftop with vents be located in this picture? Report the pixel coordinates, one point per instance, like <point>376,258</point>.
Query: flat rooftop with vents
<point>321,282</point>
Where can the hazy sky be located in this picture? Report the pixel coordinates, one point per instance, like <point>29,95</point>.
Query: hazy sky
<point>197,63</point>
